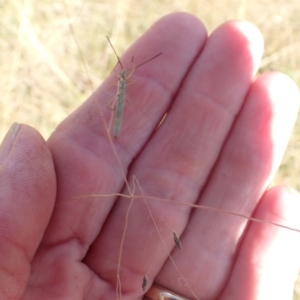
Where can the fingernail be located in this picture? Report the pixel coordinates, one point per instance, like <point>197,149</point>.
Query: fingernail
<point>8,141</point>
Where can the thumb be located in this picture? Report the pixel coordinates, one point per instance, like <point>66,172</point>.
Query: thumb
<point>27,196</point>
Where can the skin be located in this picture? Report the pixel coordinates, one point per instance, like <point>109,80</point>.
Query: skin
<point>219,146</point>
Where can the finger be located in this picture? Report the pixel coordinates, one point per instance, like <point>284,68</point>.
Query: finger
<point>179,157</point>
<point>248,161</point>
<point>267,263</point>
<point>27,194</point>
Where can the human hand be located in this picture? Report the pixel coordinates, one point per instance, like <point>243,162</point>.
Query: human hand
<point>219,146</point>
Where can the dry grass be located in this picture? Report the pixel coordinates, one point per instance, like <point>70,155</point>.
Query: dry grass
<point>44,76</point>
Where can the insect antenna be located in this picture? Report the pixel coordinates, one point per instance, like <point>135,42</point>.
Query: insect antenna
<point>119,60</point>
<point>148,60</point>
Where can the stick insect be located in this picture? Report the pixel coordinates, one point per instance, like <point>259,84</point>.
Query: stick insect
<point>121,92</point>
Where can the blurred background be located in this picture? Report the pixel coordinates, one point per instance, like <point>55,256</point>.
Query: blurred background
<point>54,53</point>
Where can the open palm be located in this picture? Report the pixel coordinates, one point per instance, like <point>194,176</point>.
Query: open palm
<point>220,145</point>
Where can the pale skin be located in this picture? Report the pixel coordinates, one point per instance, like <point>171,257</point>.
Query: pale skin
<point>220,146</point>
